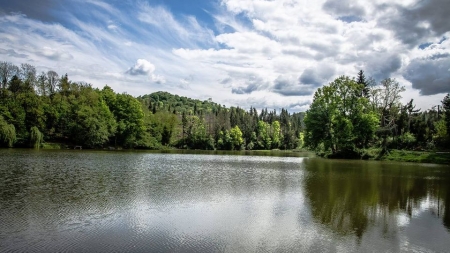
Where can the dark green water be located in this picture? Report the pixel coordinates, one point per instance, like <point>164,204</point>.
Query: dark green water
<point>87,201</point>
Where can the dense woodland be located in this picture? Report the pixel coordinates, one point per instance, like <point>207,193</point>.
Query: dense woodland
<point>47,108</point>
<point>347,116</point>
<point>350,115</point>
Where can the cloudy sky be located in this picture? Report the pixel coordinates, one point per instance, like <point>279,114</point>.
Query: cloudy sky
<point>272,53</point>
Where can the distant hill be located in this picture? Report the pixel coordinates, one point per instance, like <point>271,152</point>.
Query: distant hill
<point>166,101</point>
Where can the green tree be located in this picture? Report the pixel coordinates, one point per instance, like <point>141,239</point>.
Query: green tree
<point>7,71</point>
<point>197,137</point>
<point>36,138</point>
<point>446,107</point>
<point>339,119</point>
<point>225,141</point>
<point>276,134</point>
<point>236,138</point>
<point>441,135</point>
<point>361,80</point>
<point>93,125</point>
<point>263,134</point>
<point>129,117</point>
<point>7,133</point>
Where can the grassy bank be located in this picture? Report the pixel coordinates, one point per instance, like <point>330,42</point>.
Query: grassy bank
<point>417,156</point>
<point>438,157</point>
<point>51,145</point>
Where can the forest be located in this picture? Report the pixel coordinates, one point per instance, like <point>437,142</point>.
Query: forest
<point>39,109</point>
<point>350,115</point>
<point>346,118</point>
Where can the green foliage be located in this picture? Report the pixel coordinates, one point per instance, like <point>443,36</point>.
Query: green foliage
<point>343,118</point>
<point>420,157</point>
<point>441,136</point>
<point>218,120</point>
<point>361,80</point>
<point>276,134</point>
<point>236,138</point>
<point>93,126</point>
<point>36,138</point>
<point>162,126</point>
<point>301,140</point>
<point>129,117</point>
<point>195,135</point>
<point>263,135</point>
<point>7,133</point>
<point>406,140</point>
<point>446,107</point>
<point>162,101</point>
<point>340,118</point>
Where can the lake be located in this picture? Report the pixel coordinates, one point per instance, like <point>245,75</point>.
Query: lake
<point>100,201</point>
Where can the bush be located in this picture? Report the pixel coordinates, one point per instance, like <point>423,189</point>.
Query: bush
<point>407,140</point>
<point>36,138</point>
<point>7,133</point>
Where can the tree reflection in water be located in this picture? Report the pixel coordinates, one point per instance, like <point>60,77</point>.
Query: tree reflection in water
<point>350,196</point>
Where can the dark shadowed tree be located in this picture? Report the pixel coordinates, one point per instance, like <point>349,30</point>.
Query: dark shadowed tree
<point>365,90</point>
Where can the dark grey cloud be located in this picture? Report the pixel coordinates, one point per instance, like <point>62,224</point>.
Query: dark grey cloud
<point>439,56</point>
<point>226,82</point>
<point>309,76</point>
<point>44,10</point>
<point>327,50</point>
<point>300,106</point>
<point>415,24</point>
<point>381,66</point>
<point>290,87</point>
<point>429,75</point>
<point>317,76</point>
<point>12,53</point>
<point>245,90</point>
<point>344,8</point>
<point>252,84</point>
<point>350,19</point>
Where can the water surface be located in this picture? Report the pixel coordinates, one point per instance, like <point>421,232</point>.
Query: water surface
<point>97,201</point>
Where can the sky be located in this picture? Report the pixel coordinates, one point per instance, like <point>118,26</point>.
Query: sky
<point>260,53</point>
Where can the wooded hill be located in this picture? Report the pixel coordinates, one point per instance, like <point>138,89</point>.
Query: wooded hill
<point>208,125</point>
<point>48,108</point>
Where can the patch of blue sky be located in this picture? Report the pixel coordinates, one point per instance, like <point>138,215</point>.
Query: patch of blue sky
<point>425,45</point>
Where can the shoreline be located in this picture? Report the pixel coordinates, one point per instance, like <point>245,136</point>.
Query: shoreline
<point>432,157</point>
<point>437,157</point>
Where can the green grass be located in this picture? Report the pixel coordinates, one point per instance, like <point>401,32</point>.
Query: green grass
<point>50,145</point>
<point>418,156</point>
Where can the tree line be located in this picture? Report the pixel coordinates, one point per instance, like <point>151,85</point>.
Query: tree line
<point>350,115</point>
<point>47,108</point>
<point>347,116</point>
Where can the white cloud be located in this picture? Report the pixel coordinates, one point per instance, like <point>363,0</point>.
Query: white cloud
<point>186,31</point>
<point>112,27</point>
<point>158,79</point>
<point>141,67</point>
<point>55,54</point>
<point>264,52</point>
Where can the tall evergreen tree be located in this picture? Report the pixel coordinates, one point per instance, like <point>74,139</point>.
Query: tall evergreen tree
<point>365,91</point>
<point>446,107</point>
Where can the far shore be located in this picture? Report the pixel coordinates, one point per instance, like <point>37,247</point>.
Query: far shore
<point>436,157</point>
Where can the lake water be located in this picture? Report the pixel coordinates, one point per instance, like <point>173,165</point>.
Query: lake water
<point>98,201</point>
